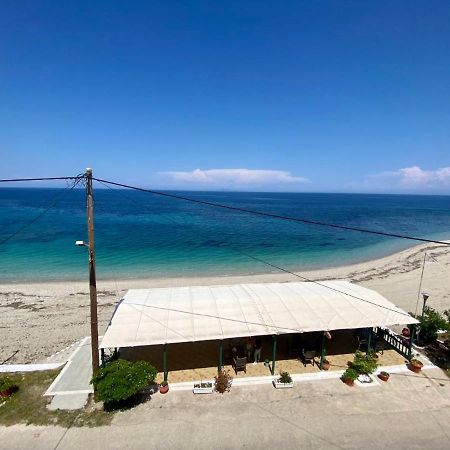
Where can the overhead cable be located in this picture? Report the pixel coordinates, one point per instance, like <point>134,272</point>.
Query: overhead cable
<point>13,180</point>
<point>56,199</point>
<point>271,215</point>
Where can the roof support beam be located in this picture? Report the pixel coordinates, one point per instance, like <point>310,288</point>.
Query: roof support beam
<point>220,355</point>
<point>165,361</point>
<point>274,352</point>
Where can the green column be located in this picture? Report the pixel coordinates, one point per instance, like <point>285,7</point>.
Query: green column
<point>369,337</point>
<point>322,350</point>
<point>220,355</point>
<point>411,338</point>
<point>165,362</point>
<point>274,352</point>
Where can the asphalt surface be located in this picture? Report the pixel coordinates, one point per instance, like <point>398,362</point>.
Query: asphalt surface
<point>409,411</point>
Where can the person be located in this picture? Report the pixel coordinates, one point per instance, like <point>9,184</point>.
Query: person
<point>249,348</point>
<point>257,352</point>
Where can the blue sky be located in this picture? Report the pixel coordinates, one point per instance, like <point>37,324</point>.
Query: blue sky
<point>343,96</point>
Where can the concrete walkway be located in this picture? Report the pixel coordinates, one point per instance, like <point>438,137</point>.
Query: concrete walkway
<point>71,387</point>
<point>410,411</point>
<point>11,368</point>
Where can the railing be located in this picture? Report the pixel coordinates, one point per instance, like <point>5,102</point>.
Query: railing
<point>399,343</point>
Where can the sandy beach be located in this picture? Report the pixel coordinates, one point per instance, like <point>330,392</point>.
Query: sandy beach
<point>40,319</point>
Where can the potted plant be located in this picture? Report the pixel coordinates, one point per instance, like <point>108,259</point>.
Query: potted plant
<point>364,364</point>
<point>223,381</point>
<point>203,388</point>
<point>349,376</point>
<point>325,364</point>
<point>7,387</point>
<point>284,381</point>
<point>383,375</point>
<point>415,365</point>
<point>164,387</point>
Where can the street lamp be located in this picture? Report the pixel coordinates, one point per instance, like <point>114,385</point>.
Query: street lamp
<point>425,297</point>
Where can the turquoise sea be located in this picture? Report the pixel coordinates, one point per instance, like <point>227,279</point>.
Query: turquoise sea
<point>142,235</point>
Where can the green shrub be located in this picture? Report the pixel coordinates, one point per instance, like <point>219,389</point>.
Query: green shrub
<point>430,323</point>
<point>364,363</point>
<point>285,378</point>
<point>350,374</point>
<point>121,380</point>
<point>6,383</point>
<point>223,381</point>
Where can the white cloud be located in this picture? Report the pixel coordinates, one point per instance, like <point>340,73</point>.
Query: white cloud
<point>233,178</point>
<point>413,177</point>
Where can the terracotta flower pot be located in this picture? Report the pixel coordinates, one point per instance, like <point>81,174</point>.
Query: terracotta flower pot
<point>326,365</point>
<point>383,376</point>
<point>416,367</point>
<point>8,392</point>
<point>164,389</point>
<point>348,381</point>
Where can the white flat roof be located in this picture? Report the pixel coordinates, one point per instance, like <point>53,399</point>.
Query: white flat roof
<point>201,313</point>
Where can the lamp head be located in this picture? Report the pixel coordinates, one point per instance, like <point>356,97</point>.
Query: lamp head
<point>81,244</point>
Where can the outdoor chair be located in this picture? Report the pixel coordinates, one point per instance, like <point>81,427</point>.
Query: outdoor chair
<point>380,346</point>
<point>362,342</point>
<point>307,357</point>
<point>240,364</point>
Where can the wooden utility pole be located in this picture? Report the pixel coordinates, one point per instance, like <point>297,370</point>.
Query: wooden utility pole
<point>92,278</point>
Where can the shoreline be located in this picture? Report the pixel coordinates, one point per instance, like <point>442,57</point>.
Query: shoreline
<point>310,270</point>
<point>41,318</point>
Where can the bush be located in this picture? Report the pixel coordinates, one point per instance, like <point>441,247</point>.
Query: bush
<point>223,381</point>
<point>121,380</point>
<point>430,323</point>
<point>6,383</point>
<point>364,363</point>
<point>285,378</point>
<point>350,374</point>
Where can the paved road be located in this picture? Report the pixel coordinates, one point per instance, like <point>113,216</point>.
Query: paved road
<point>410,411</point>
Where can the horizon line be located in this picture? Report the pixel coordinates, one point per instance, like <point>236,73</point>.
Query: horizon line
<point>325,192</point>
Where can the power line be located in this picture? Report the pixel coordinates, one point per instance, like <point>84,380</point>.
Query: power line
<point>51,205</point>
<point>12,180</point>
<point>273,216</point>
<point>282,269</point>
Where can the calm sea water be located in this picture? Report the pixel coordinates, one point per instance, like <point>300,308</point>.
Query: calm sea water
<point>140,235</point>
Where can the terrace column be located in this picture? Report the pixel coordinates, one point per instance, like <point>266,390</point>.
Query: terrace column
<point>165,362</point>
<point>322,350</point>
<point>102,352</point>
<point>369,337</point>
<point>412,329</point>
<point>220,355</point>
<point>274,352</point>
